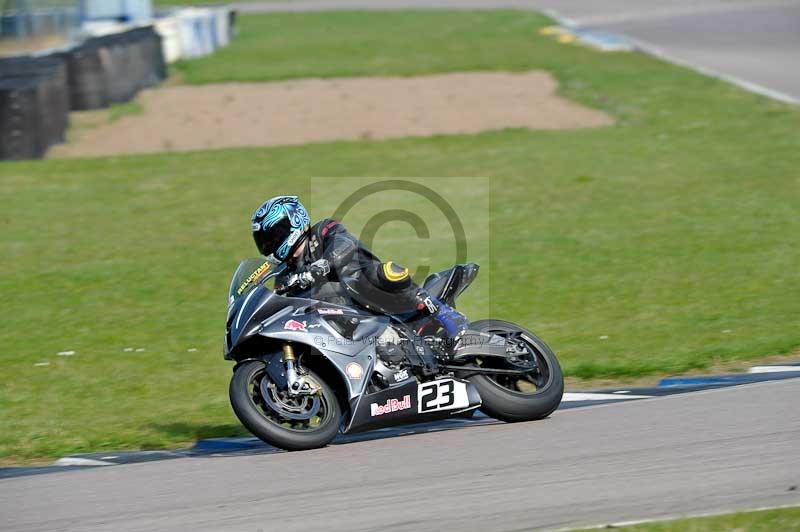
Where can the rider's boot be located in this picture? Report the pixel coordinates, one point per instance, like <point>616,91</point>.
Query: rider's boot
<point>452,322</point>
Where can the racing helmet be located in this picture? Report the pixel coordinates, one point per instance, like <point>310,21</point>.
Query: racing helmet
<point>279,225</point>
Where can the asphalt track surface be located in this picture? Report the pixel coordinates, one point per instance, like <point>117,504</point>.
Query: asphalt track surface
<point>754,43</point>
<point>706,451</point>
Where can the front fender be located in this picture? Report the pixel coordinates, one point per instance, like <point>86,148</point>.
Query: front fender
<point>352,370</point>
<point>274,363</point>
<point>348,375</point>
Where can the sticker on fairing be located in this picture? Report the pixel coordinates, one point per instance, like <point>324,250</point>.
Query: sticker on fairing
<point>294,325</point>
<point>354,371</point>
<point>443,394</point>
<point>401,375</point>
<point>391,405</point>
<point>256,275</point>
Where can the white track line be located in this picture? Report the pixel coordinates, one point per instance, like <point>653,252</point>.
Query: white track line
<point>774,369</point>
<point>578,396</point>
<point>75,461</point>
<point>739,82</point>
<point>677,396</point>
<point>657,52</point>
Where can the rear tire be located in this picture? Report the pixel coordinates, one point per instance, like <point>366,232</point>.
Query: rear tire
<point>509,405</point>
<point>244,398</point>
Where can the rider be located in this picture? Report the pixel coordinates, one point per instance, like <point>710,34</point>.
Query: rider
<point>325,253</point>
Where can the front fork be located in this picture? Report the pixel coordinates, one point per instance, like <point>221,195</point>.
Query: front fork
<point>297,384</point>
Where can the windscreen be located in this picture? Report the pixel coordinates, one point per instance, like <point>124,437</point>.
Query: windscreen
<point>250,273</point>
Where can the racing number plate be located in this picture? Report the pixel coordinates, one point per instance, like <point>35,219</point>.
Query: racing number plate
<point>443,394</point>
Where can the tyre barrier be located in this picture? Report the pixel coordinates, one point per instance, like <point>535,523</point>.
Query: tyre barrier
<point>186,33</point>
<point>34,106</point>
<point>37,92</point>
<point>113,68</point>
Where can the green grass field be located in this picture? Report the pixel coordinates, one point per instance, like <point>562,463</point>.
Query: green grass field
<point>673,233</point>
<point>784,519</point>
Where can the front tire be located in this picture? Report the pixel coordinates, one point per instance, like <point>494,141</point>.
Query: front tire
<point>507,399</point>
<point>270,424</point>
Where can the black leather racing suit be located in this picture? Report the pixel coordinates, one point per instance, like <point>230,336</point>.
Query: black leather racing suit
<point>356,274</point>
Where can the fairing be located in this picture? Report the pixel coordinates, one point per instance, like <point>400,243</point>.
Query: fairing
<point>255,310</point>
<point>447,285</point>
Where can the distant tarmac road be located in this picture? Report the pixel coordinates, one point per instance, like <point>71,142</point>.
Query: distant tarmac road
<point>755,43</point>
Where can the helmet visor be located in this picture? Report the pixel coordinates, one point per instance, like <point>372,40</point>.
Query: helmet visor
<point>270,239</point>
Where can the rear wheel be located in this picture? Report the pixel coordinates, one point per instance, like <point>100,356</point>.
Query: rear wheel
<point>291,422</point>
<point>534,395</point>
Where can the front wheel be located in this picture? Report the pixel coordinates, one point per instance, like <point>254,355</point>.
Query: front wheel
<point>291,422</point>
<point>534,395</point>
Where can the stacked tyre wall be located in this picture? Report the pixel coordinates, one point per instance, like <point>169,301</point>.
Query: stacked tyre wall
<point>34,106</point>
<point>37,92</point>
<point>114,68</point>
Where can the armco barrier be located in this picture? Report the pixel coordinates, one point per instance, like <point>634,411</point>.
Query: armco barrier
<point>195,31</point>
<point>169,29</point>
<point>222,26</point>
<point>34,106</point>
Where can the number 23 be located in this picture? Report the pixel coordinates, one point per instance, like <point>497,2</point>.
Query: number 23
<point>434,392</point>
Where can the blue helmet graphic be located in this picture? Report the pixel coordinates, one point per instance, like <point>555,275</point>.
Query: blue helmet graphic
<point>278,226</point>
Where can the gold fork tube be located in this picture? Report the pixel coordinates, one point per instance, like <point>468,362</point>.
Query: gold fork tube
<point>288,352</point>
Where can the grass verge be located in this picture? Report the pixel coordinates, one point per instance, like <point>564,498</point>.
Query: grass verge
<point>121,110</point>
<point>784,519</point>
<point>665,244</point>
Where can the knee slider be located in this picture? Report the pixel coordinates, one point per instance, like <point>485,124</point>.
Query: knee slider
<point>393,277</point>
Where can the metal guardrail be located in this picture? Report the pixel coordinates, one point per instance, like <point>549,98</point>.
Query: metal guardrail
<point>36,19</point>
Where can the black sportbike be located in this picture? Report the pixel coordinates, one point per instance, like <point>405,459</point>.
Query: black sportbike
<point>306,369</point>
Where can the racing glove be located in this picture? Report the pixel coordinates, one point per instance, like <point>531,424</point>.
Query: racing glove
<point>319,270</point>
<point>304,280</point>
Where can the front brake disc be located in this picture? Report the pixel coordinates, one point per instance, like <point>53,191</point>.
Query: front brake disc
<point>306,407</point>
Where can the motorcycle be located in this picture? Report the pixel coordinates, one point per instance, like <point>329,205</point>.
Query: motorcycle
<point>306,369</point>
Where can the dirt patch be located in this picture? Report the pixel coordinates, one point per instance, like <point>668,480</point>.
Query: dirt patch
<point>184,118</point>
